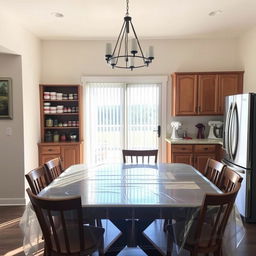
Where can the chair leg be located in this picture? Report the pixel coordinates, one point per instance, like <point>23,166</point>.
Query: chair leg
<point>166,223</point>
<point>101,247</point>
<point>170,240</point>
<point>45,251</point>
<point>99,223</point>
<point>218,252</point>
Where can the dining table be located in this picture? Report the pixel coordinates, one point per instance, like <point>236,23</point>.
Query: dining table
<point>133,196</point>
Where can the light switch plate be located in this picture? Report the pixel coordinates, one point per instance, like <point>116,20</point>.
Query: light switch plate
<point>8,131</point>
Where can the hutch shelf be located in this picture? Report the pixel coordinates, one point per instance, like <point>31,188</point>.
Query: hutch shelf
<point>61,123</point>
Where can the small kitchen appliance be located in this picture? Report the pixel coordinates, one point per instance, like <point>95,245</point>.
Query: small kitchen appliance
<point>215,129</point>
<point>175,126</point>
<point>200,132</point>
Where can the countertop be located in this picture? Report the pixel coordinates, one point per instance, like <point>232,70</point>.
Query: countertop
<point>195,141</point>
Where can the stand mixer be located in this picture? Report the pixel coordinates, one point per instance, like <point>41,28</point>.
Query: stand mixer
<point>215,129</point>
<point>175,126</point>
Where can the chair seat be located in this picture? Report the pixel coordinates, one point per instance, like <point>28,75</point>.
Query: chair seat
<point>92,239</point>
<point>188,240</point>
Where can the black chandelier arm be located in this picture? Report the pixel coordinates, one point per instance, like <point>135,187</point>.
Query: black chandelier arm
<point>126,48</point>
<point>141,66</point>
<point>138,42</point>
<point>129,55</point>
<point>118,39</point>
<point>120,45</point>
<point>146,61</point>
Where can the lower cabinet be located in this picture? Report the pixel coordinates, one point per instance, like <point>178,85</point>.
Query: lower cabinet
<point>193,154</point>
<point>70,152</point>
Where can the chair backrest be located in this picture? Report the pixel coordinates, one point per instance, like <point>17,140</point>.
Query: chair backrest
<point>37,179</point>
<point>213,170</point>
<point>213,217</point>
<point>61,223</point>
<point>229,180</point>
<point>54,168</point>
<point>135,155</point>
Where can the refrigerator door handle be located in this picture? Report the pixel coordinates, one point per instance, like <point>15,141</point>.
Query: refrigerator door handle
<point>236,127</point>
<point>227,131</point>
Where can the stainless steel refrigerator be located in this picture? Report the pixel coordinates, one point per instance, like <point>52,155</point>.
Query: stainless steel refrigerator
<point>239,142</point>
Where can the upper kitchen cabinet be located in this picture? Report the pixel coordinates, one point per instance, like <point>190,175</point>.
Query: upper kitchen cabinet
<point>207,95</point>
<point>203,93</point>
<point>184,94</point>
<point>229,84</point>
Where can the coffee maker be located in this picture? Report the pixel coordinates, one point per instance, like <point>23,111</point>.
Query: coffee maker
<point>216,128</point>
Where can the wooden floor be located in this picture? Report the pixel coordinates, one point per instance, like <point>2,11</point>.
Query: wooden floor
<point>11,236</point>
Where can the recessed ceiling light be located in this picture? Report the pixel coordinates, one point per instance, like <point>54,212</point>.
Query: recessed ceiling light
<point>57,14</point>
<point>214,13</point>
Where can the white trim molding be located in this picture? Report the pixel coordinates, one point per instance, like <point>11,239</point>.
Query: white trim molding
<point>12,201</point>
<point>125,79</point>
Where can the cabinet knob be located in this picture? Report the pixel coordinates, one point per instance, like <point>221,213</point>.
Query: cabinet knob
<point>205,148</point>
<point>49,149</point>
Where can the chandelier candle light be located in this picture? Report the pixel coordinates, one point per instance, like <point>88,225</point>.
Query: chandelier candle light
<point>127,52</point>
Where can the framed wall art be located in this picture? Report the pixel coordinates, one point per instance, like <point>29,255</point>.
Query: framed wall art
<point>5,98</point>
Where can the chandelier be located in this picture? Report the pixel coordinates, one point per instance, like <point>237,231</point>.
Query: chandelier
<point>127,52</point>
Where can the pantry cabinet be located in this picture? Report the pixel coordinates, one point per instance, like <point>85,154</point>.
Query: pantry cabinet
<point>69,152</point>
<point>61,123</point>
<point>203,93</point>
<point>192,154</point>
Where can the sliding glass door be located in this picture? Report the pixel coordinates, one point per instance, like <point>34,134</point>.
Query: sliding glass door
<point>118,116</point>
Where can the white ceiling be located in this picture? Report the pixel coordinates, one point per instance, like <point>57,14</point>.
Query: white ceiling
<point>102,19</point>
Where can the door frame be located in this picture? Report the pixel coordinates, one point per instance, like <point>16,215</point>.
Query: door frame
<point>161,80</point>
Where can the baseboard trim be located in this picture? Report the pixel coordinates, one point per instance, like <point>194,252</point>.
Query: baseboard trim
<point>12,201</point>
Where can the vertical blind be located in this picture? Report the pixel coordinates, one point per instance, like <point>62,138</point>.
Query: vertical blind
<point>119,116</point>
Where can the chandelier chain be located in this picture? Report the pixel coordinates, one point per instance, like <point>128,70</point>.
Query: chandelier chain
<point>127,7</point>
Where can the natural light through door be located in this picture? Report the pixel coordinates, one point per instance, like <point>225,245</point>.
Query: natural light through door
<point>118,116</point>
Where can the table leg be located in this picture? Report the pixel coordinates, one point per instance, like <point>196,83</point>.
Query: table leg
<point>120,243</point>
<point>131,236</point>
<point>143,243</point>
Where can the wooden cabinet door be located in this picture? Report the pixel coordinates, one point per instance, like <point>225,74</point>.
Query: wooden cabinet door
<point>207,94</point>
<point>229,84</point>
<point>70,155</point>
<point>200,161</point>
<point>46,157</point>
<point>184,158</point>
<point>184,95</point>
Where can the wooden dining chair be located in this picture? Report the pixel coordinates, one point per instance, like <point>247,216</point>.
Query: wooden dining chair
<point>54,168</point>
<point>197,235</point>
<point>136,155</point>
<point>205,237</point>
<point>213,170</point>
<point>62,225</point>
<point>37,179</point>
<point>229,180</point>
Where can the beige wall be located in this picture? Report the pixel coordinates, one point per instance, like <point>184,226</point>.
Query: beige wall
<point>67,61</point>
<point>20,149</point>
<point>248,59</point>
<point>12,153</point>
